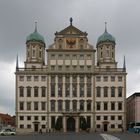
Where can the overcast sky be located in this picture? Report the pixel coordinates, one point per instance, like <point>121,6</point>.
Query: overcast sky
<point>17,19</point>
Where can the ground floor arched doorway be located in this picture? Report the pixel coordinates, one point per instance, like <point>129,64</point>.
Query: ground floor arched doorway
<point>70,124</point>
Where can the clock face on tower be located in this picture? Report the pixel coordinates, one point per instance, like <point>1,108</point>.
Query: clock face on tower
<point>70,43</point>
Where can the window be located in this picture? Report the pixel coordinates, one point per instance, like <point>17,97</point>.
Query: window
<point>28,126</point>
<point>35,78</point>
<point>98,78</point>
<point>52,105</point>
<point>67,105</point>
<point>88,67</point>
<point>98,105</point>
<point>52,90</point>
<point>60,105</point>
<point>60,90</point>
<point>67,56</point>
<point>28,118</point>
<point>74,79</point>
<point>98,118</point>
<point>119,117</point>
<point>74,90</point>
<point>119,126</point>
<point>105,91</point>
<point>105,106</point>
<point>89,56</point>
<point>43,91</point>
<point>28,91</point>
<point>89,105</point>
<point>112,105</point>
<point>119,78</point>
<point>35,105</point>
<point>28,105</point>
<point>67,90</point>
<point>52,79</point>
<point>105,118</point>
<point>105,78</point>
<point>112,91</point>
<point>36,118</point>
<point>119,91</point>
<point>81,90</point>
<point>98,126</point>
<point>67,79</point>
<point>74,105</point>
<point>21,91</point>
<point>74,57</point>
<point>21,126</point>
<point>28,78</point>
<point>43,78</point>
<point>35,91</point>
<point>120,106</point>
<point>21,118</point>
<point>21,105</point>
<point>60,56</point>
<point>21,78</point>
<point>59,67</point>
<point>43,126</point>
<point>112,126</point>
<point>81,105</point>
<point>112,117</point>
<point>43,118</point>
<point>88,79</point>
<point>112,78</point>
<point>88,90</point>
<point>81,79</point>
<point>81,57</point>
<point>43,105</point>
<point>81,67</point>
<point>60,79</point>
<point>98,91</point>
<point>67,67</point>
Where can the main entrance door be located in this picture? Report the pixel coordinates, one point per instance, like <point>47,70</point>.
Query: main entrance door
<point>36,127</point>
<point>70,124</point>
<point>105,127</point>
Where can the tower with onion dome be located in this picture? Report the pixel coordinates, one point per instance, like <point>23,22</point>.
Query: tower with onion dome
<point>35,50</point>
<point>106,50</point>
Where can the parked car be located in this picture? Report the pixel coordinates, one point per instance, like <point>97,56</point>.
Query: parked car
<point>137,129</point>
<point>7,132</point>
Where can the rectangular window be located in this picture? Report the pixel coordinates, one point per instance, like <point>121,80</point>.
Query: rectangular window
<point>112,78</point>
<point>60,90</point>
<point>52,105</point>
<point>74,90</point>
<point>112,126</point>
<point>119,106</point>
<point>105,78</point>
<point>28,126</point>
<point>98,78</point>
<point>105,91</point>
<point>28,78</point>
<point>67,90</point>
<point>36,92</point>
<point>112,105</point>
<point>28,118</point>
<point>67,57</point>
<point>119,91</point>
<point>98,118</point>
<point>112,118</point>
<point>98,105</point>
<point>119,117</point>
<point>21,118</point>
<point>81,67</point>
<point>81,57</point>
<point>59,67</point>
<point>119,78</point>
<point>60,56</point>
<point>28,91</point>
<point>35,105</point>
<point>105,118</point>
<point>43,78</point>
<point>21,105</point>
<point>105,106</point>
<point>98,126</point>
<point>60,105</point>
<point>52,90</point>
<point>52,56</point>
<point>21,91</point>
<point>36,78</point>
<point>98,91</point>
<point>74,57</point>
<point>43,126</point>
<point>21,126</point>
<point>21,78</point>
<point>112,91</point>
<point>43,91</point>
<point>43,118</point>
<point>88,90</point>
<point>43,105</point>
<point>82,90</point>
<point>28,105</point>
<point>36,118</point>
<point>52,67</point>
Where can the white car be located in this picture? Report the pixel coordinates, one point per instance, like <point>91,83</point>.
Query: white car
<point>7,132</point>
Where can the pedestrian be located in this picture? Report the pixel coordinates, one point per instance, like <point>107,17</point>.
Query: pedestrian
<point>40,131</point>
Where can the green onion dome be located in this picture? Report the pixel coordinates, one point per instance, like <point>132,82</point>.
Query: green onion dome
<point>35,36</point>
<point>106,37</point>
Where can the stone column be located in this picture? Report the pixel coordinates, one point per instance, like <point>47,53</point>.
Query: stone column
<point>77,123</point>
<point>64,123</point>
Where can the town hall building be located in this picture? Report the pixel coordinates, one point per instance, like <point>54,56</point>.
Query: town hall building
<point>72,91</point>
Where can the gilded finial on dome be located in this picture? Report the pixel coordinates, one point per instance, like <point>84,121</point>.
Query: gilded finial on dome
<point>71,20</point>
